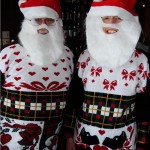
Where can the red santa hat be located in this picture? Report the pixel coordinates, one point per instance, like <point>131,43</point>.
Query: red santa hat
<point>123,8</point>
<point>40,8</point>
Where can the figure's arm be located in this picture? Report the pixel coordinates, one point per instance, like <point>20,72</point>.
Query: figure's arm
<point>143,117</point>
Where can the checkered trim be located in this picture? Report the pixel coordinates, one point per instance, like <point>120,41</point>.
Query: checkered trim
<point>37,106</point>
<point>143,132</point>
<point>107,110</point>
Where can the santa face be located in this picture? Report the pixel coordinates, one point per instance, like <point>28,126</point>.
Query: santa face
<point>111,20</point>
<point>44,44</point>
<point>111,40</point>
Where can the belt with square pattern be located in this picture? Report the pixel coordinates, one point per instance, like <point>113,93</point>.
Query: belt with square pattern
<point>107,110</point>
<point>35,106</point>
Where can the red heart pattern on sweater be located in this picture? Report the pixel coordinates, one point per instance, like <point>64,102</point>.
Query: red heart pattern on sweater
<point>17,78</point>
<point>18,60</point>
<point>45,78</point>
<point>16,53</point>
<point>97,147</point>
<point>101,132</point>
<point>56,73</point>
<point>4,57</point>
<point>45,69</point>
<point>129,128</point>
<point>32,73</point>
<point>5,138</point>
<point>12,46</point>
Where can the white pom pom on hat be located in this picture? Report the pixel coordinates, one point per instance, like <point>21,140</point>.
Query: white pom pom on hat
<point>40,8</point>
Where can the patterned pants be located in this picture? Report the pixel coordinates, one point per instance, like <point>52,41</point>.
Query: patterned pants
<point>31,120</point>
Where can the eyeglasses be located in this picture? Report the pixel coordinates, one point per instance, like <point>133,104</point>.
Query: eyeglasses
<point>39,21</point>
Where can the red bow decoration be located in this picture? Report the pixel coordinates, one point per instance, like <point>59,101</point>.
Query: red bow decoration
<point>143,89</point>
<point>142,71</point>
<point>110,85</point>
<point>131,75</point>
<point>35,85</point>
<point>9,84</point>
<point>96,71</point>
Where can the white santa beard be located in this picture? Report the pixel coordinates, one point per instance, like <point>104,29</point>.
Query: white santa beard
<point>42,49</point>
<point>111,50</point>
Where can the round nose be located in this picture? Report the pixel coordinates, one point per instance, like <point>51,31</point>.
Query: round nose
<point>43,21</point>
<point>112,20</point>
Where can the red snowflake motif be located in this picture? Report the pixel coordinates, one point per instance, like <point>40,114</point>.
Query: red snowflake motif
<point>96,72</point>
<point>142,71</point>
<point>129,75</point>
<point>109,85</point>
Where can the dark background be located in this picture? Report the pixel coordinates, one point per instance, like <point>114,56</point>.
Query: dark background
<point>11,17</point>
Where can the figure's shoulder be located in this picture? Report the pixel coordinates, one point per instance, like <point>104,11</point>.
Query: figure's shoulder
<point>11,48</point>
<point>84,55</point>
<point>68,51</point>
<point>140,55</point>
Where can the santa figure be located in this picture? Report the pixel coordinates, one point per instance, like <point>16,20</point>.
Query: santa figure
<point>112,73</point>
<point>37,73</point>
